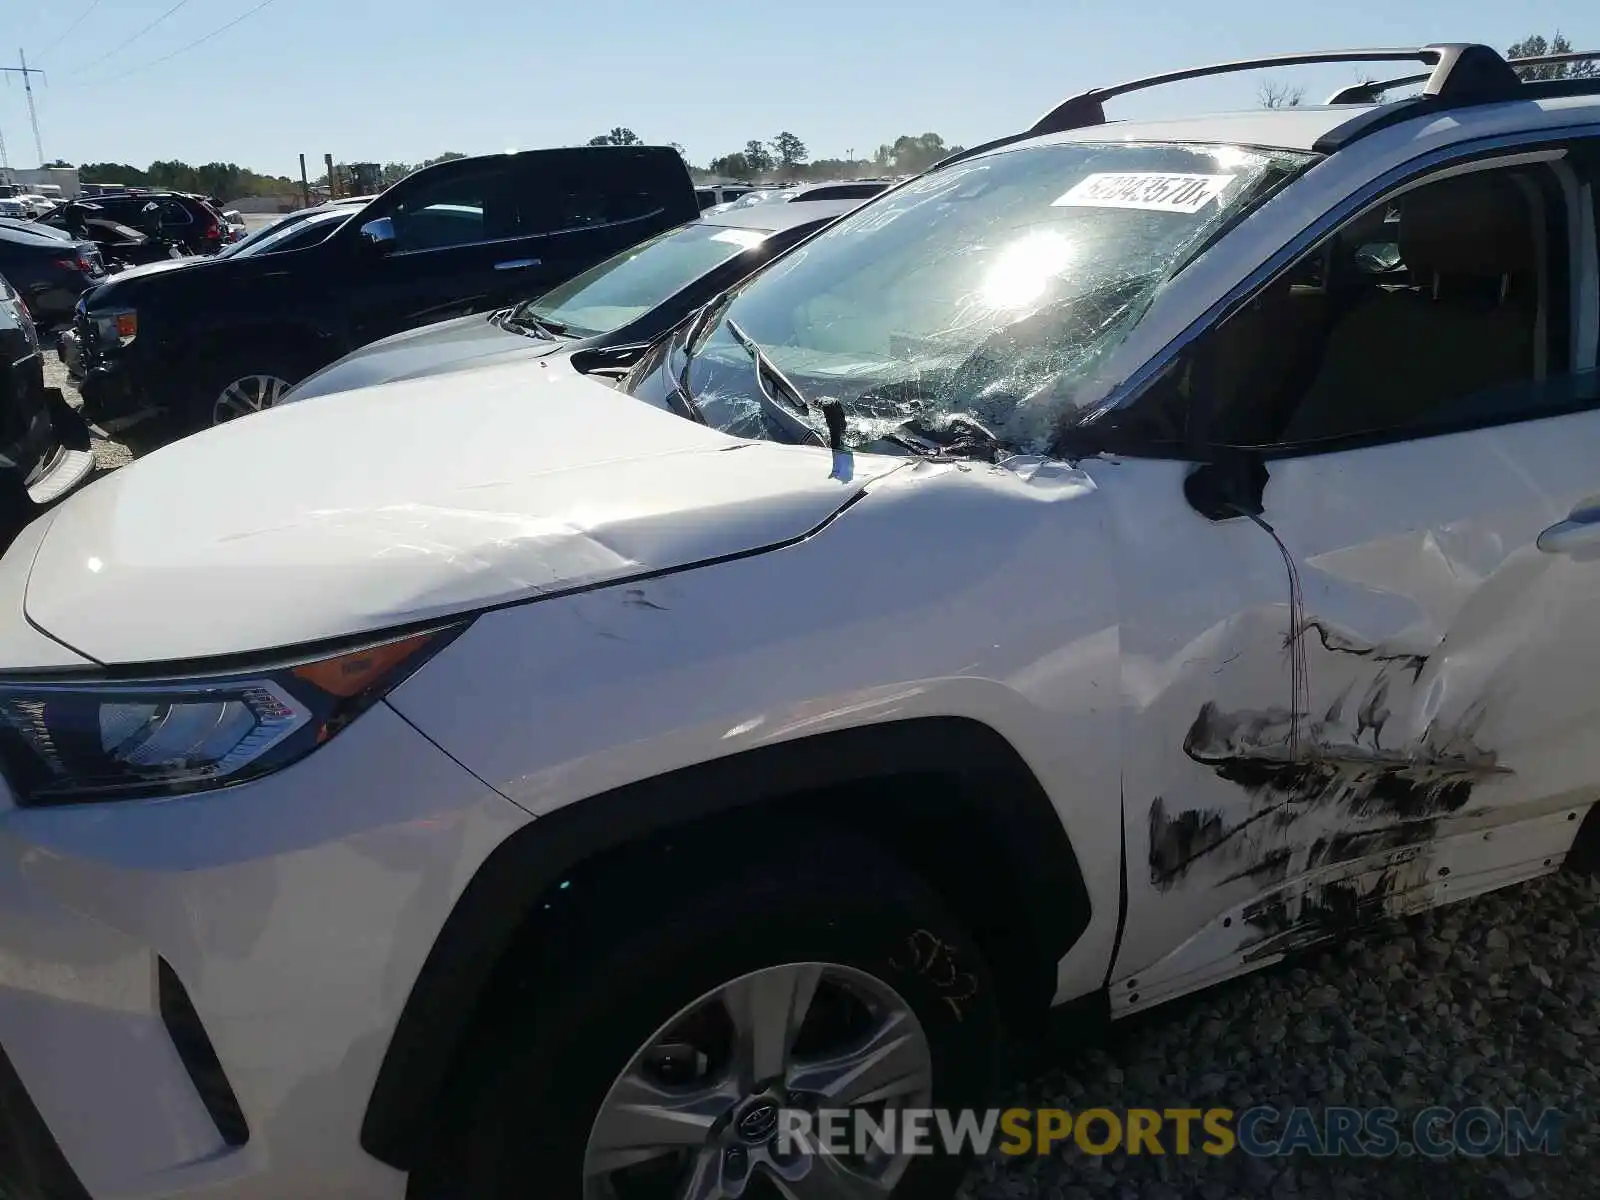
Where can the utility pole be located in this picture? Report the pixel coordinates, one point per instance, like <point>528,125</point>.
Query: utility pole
<point>27,74</point>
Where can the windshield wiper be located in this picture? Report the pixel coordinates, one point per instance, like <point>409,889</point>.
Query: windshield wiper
<point>516,318</point>
<point>712,307</point>
<point>962,437</point>
<point>790,420</point>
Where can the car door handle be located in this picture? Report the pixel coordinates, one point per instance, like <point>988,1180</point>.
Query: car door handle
<point>516,264</point>
<point>1579,531</point>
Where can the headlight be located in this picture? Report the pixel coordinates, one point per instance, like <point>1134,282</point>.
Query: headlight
<point>119,326</point>
<point>72,742</point>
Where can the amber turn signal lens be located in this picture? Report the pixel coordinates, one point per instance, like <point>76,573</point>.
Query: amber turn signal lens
<point>351,674</point>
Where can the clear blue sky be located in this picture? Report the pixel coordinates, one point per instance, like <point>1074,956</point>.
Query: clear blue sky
<point>407,79</point>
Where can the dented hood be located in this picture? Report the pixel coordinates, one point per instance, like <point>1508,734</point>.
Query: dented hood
<point>406,502</point>
<point>459,344</point>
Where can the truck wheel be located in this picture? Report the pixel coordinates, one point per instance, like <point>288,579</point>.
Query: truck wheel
<point>681,1054</point>
<point>242,386</point>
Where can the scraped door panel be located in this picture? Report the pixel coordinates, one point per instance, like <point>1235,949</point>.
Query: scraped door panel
<point>1300,763</point>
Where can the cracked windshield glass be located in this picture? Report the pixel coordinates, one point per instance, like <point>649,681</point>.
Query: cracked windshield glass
<point>970,309</point>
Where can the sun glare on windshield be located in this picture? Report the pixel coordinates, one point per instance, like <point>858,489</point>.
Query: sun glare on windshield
<point>1023,270</point>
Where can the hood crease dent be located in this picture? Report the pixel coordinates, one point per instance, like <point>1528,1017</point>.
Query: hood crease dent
<point>405,502</point>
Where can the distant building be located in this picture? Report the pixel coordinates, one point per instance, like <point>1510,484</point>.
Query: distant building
<point>60,180</point>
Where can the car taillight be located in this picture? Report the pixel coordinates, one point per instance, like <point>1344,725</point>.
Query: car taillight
<point>73,264</point>
<point>87,264</point>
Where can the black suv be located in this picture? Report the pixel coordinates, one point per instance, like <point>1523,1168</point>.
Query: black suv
<point>44,444</point>
<point>223,336</point>
<point>187,220</point>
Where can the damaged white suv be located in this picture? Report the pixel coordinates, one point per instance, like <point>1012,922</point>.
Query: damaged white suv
<point>1115,559</point>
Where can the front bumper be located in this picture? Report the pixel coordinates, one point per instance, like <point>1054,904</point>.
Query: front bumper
<point>161,961</point>
<point>108,377</point>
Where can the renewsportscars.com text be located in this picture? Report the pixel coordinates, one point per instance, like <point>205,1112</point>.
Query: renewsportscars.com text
<point>1261,1131</point>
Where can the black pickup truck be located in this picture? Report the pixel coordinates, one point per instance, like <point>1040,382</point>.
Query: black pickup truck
<point>217,338</point>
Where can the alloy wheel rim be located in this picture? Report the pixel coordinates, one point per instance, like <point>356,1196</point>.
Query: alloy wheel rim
<point>695,1114</point>
<point>245,395</point>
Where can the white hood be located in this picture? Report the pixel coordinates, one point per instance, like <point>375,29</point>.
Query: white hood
<point>406,502</point>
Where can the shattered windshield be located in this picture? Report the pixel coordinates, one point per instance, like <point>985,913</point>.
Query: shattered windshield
<point>630,284</point>
<point>978,299</point>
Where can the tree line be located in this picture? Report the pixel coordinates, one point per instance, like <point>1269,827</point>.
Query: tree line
<point>781,158</point>
<point>225,181</point>
<point>785,157</point>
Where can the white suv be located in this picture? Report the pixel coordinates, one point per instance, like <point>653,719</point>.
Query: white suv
<point>1096,568</point>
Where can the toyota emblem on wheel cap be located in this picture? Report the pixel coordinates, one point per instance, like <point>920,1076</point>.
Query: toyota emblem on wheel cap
<point>758,1122</point>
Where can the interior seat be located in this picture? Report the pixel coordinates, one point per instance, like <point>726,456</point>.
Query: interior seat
<point>1469,323</point>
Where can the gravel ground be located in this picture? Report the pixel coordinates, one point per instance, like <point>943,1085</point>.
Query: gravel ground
<point>1491,1002</point>
<point>109,452</point>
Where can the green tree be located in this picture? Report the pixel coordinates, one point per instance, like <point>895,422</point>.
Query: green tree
<point>731,166</point>
<point>619,136</point>
<point>1536,46</point>
<point>790,150</point>
<point>757,157</point>
<point>910,154</point>
<point>110,172</point>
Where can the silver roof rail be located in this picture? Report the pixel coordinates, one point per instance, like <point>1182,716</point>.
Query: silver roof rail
<point>1372,92</point>
<point>1460,72</point>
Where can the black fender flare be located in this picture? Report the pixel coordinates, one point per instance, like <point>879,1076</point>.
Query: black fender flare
<point>1040,869</point>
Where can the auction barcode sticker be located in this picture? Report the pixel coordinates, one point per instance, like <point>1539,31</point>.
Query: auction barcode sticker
<point>1158,191</point>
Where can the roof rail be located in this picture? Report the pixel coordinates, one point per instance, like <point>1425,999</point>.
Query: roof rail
<point>1372,92</point>
<point>1461,73</point>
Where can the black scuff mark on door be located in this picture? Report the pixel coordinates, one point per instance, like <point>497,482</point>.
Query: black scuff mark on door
<point>1388,797</point>
<point>1175,842</point>
<point>1287,923</point>
<point>1269,868</point>
<point>1337,643</point>
<point>635,598</point>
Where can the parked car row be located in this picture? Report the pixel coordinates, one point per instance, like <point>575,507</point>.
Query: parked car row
<point>176,220</point>
<point>461,237</point>
<point>49,268</point>
<point>844,189</point>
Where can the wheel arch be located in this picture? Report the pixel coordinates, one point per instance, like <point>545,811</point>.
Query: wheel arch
<point>950,797</point>
<point>220,342</point>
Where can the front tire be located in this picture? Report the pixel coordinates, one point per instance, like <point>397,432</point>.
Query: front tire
<point>241,386</point>
<point>826,976</point>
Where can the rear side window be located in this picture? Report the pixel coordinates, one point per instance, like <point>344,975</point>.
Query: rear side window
<point>590,190</point>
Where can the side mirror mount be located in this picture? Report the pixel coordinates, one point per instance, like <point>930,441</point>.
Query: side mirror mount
<point>378,235</point>
<point>1231,483</point>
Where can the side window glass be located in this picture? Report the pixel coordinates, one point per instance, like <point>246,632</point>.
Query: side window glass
<point>457,210</point>
<point>588,193</point>
<point>1446,307</point>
